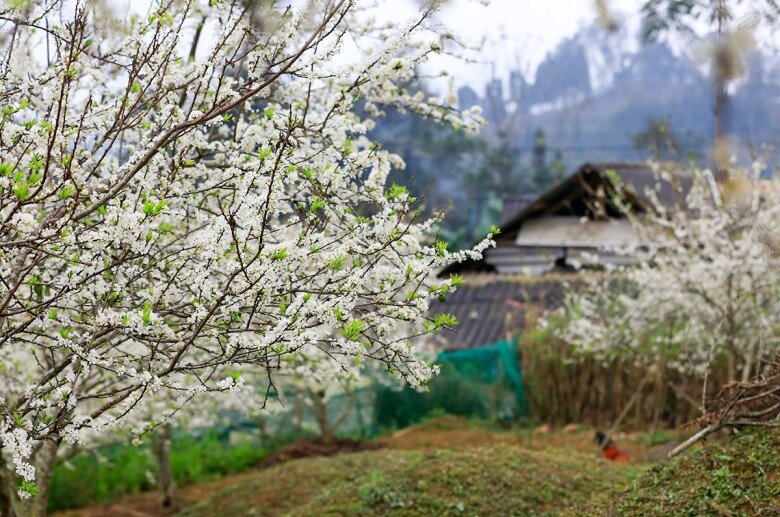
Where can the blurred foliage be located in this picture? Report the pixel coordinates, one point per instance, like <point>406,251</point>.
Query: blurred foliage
<point>663,16</point>
<point>119,469</point>
<point>483,382</point>
<point>465,176</point>
<point>663,142</point>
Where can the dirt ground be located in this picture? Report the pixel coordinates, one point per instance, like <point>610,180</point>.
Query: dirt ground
<point>447,432</point>
<point>453,432</point>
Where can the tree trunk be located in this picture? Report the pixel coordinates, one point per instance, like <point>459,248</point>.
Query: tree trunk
<point>731,365</point>
<point>298,411</point>
<point>45,471</point>
<point>322,420</point>
<point>35,506</point>
<point>161,445</point>
<point>720,97</point>
<point>7,490</point>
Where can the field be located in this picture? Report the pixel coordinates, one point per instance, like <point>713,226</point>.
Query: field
<point>444,466</point>
<point>451,466</point>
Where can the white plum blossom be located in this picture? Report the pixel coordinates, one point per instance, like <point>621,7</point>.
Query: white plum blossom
<point>181,214</point>
<point>705,285</point>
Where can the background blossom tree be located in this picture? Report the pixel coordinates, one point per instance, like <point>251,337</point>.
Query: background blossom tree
<point>704,287</point>
<point>190,196</point>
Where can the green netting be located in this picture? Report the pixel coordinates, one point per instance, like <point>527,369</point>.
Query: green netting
<point>482,382</point>
<point>491,364</point>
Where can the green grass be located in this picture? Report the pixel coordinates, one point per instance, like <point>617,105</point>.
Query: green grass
<point>121,469</point>
<point>739,475</point>
<point>495,480</point>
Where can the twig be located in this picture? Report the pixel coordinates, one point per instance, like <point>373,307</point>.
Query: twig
<point>695,438</point>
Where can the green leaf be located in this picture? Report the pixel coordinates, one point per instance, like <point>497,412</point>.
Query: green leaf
<point>317,204</point>
<point>152,209</point>
<point>396,191</point>
<point>441,247</point>
<point>146,313</point>
<point>353,329</point>
<point>21,190</point>
<point>29,487</point>
<point>337,263</point>
<point>445,320</point>
<point>164,228</point>
<point>66,192</point>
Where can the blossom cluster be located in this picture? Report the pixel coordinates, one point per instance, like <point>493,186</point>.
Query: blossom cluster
<point>703,285</point>
<point>191,198</point>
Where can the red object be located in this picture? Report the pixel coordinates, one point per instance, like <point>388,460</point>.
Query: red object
<point>612,453</point>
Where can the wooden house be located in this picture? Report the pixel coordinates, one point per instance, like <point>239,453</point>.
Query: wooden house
<point>577,222</point>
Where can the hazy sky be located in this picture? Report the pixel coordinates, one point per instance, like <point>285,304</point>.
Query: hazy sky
<point>517,33</point>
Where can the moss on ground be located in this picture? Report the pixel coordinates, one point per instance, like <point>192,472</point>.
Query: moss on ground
<point>738,475</point>
<point>493,480</point>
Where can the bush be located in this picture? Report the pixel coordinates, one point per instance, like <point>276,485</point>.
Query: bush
<point>119,469</point>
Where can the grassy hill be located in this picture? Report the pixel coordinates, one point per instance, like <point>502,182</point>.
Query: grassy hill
<point>739,475</point>
<point>451,467</point>
<point>444,466</point>
<point>490,480</point>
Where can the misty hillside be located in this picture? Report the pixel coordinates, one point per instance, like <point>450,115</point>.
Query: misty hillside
<point>597,97</point>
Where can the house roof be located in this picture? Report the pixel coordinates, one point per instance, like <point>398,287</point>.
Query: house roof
<point>491,309</point>
<point>584,182</point>
<point>513,204</point>
<point>577,193</point>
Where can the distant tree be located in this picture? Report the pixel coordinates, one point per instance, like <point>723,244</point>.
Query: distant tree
<point>663,142</point>
<point>732,38</point>
<point>539,154</point>
<point>543,171</point>
<point>557,165</point>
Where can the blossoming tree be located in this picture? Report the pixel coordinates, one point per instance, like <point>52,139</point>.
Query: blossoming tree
<point>704,286</point>
<point>314,382</point>
<point>189,197</point>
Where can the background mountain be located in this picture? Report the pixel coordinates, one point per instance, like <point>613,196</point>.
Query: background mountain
<point>599,96</point>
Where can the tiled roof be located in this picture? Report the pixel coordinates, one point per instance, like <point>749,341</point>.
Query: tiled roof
<point>493,309</point>
<point>513,204</point>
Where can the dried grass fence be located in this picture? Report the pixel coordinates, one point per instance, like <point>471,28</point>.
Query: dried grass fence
<point>563,387</point>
